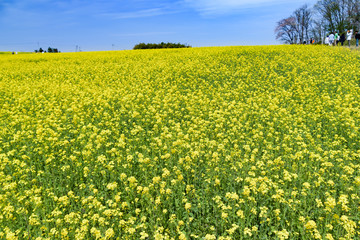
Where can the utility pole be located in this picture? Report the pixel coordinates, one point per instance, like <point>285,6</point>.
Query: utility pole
<point>112,46</point>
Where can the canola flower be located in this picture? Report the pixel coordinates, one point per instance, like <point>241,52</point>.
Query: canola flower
<point>201,143</point>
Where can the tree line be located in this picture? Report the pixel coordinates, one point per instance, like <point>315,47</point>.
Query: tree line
<point>160,45</point>
<point>50,50</point>
<point>315,22</point>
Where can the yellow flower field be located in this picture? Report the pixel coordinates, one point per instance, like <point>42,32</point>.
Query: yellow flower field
<point>201,143</point>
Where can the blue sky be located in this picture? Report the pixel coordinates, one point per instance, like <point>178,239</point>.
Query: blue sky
<point>96,25</point>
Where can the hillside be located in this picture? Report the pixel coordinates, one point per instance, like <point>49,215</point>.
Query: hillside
<point>197,143</point>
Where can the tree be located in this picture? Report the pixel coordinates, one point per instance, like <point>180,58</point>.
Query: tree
<point>335,14</point>
<point>296,28</point>
<point>53,50</point>
<point>326,16</point>
<point>286,30</point>
<point>160,45</point>
<point>354,14</point>
<point>303,22</point>
<point>318,30</point>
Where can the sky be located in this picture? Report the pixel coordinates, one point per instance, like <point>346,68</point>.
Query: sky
<point>101,25</point>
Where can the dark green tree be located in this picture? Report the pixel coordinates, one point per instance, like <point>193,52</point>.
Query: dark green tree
<point>160,45</point>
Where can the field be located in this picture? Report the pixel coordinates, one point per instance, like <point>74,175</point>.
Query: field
<point>201,143</point>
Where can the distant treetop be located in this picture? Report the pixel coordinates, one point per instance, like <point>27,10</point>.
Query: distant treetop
<point>160,45</point>
<point>50,50</point>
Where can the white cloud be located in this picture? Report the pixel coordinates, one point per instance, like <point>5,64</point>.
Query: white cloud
<point>145,10</point>
<point>214,7</point>
<point>138,14</point>
<point>142,34</point>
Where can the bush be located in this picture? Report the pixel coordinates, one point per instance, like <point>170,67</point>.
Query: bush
<point>160,45</point>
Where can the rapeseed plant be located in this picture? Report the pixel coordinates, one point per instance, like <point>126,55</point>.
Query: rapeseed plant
<point>201,143</point>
